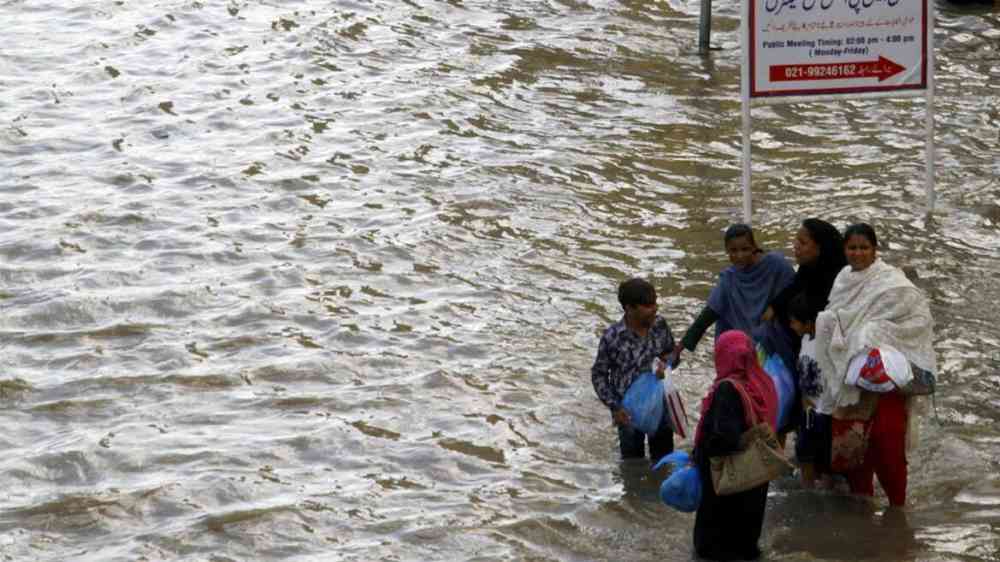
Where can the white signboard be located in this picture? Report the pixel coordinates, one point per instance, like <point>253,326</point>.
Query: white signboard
<point>809,48</point>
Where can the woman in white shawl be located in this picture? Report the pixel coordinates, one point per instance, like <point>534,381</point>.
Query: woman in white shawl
<point>875,333</point>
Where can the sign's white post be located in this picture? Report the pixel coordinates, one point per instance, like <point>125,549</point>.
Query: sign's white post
<point>747,208</point>
<point>745,99</point>
<point>929,125</point>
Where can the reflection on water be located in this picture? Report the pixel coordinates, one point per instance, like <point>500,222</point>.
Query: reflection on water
<point>313,280</point>
<point>834,526</point>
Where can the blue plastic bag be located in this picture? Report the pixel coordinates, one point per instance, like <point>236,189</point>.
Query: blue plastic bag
<point>644,403</point>
<point>675,459</point>
<point>682,490</point>
<point>784,385</point>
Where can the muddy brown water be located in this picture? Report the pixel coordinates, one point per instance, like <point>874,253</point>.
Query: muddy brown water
<point>316,280</point>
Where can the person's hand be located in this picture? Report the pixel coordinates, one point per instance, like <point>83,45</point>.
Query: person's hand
<point>768,314</point>
<point>621,417</point>
<point>675,357</point>
<point>661,367</point>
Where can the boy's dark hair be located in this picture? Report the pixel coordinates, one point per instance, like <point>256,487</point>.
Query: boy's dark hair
<point>636,291</point>
<point>802,310</point>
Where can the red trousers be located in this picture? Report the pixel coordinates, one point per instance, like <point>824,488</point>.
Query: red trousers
<point>886,453</point>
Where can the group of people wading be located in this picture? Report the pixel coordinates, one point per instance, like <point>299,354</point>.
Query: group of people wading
<point>854,334</point>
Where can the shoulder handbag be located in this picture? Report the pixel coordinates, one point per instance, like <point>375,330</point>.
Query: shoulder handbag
<point>923,382</point>
<point>759,460</point>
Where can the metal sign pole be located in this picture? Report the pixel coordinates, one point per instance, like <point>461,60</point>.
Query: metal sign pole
<point>745,98</point>
<point>747,211</point>
<point>705,26</point>
<point>929,124</point>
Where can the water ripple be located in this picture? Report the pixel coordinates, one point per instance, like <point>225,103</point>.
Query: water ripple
<point>314,279</point>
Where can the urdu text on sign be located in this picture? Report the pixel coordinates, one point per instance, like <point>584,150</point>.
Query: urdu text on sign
<point>829,47</point>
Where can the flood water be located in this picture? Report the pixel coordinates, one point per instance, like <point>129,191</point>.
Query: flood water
<point>323,280</point>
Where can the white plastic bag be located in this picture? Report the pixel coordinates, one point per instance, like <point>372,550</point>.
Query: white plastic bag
<point>675,406</point>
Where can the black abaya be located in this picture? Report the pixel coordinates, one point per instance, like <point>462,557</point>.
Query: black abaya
<point>726,527</point>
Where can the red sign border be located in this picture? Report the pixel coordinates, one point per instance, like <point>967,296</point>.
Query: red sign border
<point>754,93</point>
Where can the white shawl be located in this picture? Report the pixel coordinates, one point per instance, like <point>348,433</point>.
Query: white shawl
<point>872,308</point>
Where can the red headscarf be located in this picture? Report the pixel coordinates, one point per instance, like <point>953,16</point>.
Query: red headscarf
<point>736,362</point>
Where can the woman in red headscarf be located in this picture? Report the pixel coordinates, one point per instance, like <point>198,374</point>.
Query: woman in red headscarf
<point>728,527</point>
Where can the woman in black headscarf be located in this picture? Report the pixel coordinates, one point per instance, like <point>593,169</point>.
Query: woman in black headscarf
<point>819,251</point>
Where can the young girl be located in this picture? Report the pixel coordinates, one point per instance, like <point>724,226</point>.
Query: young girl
<point>812,445</point>
<point>744,289</point>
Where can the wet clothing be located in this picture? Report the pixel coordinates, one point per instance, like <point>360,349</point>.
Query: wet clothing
<point>876,308</point>
<point>622,356</point>
<point>849,432</point>
<point>726,527</point>
<point>632,442</point>
<point>740,297</point>
<point>813,437</point>
<point>811,383</point>
<point>885,456</point>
